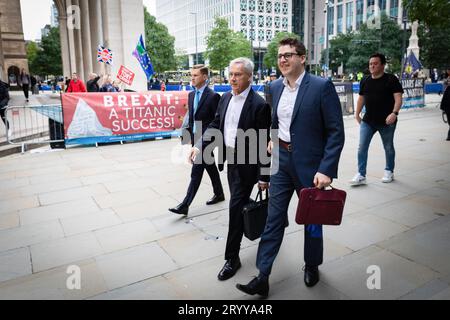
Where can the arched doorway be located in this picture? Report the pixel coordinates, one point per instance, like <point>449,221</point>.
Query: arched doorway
<point>13,76</point>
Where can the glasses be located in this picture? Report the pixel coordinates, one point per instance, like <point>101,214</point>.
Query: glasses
<point>288,55</point>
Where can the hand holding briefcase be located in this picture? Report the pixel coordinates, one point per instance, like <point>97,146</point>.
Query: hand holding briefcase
<point>255,216</point>
<point>323,207</point>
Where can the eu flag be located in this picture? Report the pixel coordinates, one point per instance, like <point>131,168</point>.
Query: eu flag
<point>141,54</point>
<point>411,65</point>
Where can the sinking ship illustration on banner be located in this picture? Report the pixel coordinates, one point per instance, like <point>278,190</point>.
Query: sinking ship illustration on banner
<point>85,123</point>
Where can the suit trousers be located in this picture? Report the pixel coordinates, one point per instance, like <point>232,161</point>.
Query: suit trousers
<point>240,192</point>
<point>196,179</point>
<point>282,186</point>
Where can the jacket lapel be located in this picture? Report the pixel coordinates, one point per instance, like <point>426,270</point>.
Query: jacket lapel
<point>300,95</point>
<point>277,92</point>
<point>226,103</point>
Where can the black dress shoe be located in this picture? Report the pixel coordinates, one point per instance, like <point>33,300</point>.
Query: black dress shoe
<point>311,276</point>
<point>215,199</point>
<point>180,209</point>
<point>256,286</point>
<point>229,269</point>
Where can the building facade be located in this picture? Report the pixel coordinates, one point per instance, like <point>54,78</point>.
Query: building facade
<point>83,25</point>
<point>191,21</point>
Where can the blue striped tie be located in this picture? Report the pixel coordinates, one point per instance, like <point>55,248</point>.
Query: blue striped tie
<point>196,102</point>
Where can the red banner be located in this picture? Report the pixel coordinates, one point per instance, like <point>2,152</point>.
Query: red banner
<point>125,75</point>
<point>121,114</point>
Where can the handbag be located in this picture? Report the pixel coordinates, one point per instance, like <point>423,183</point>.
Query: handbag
<point>324,207</point>
<point>255,216</point>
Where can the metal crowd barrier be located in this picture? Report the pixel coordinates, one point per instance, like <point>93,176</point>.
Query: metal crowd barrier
<point>28,125</point>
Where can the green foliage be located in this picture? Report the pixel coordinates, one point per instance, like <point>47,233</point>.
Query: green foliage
<point>271,59</point>
<point>433,13</point>
<point>224,45</point>
<point>46,60</point>
<point>434,30</point>
<point>159,43</point>
<point>354,49</point>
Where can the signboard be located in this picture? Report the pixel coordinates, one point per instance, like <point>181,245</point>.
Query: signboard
<point>125,75</point>
<point>91,118</point>
<point>414,94</point>
<point>345,93</point>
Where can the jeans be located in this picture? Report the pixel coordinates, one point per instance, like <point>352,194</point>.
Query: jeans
<point>387,137</point>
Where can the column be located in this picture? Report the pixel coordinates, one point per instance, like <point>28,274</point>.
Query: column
<point>307,32</point>
<point>335,12</point>
<point>72,52</point>
<point>64,38</point>
<point>95,19</point>
<point>354,15</point>
<point>78,48</point>
<point>400,13</point>
<point>105,29</point>
<point>344,17</point>
<point>388,7</point>
<point>86,36</point>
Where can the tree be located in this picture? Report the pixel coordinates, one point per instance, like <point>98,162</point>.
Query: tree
<point>32,52</point>
<point>48,59</point>
<point>339,51</point>
<point>182,59</point>
<point>159,43</point>
<point>433,13</point>
<point>434,28</point>
<point>367,41</point>
<point>271,57</point>
<point>224,45</point>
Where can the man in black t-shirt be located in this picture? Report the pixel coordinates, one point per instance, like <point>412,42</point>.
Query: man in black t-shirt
<point>381,93</point>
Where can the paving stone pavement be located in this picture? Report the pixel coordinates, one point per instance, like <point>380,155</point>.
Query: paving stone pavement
<point>104,210</point>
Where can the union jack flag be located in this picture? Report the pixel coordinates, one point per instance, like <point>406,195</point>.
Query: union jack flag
<point>104,55</point>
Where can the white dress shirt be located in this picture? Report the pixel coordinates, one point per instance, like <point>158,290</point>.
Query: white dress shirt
<point>232,117</point>
<point>286,108</point>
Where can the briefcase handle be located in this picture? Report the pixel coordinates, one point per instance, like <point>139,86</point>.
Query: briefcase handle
<point>259,195</point>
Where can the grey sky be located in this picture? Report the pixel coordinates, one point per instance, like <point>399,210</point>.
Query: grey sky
<point>36,14</point>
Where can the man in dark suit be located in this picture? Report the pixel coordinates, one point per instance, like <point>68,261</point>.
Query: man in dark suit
<point>202,110</point>
<point>241,114</point>
<point>308,116</point>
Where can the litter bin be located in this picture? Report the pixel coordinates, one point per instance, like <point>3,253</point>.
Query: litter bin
<point>56,130</point>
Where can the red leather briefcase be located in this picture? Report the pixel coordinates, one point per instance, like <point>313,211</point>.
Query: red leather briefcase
<point>317,206</point>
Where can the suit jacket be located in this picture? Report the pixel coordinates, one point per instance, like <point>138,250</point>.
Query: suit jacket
<point>255,115</point>
<point>317,127</point>
<point>206,110</point>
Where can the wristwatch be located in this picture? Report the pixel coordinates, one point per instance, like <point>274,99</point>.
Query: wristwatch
<point>396,113</point>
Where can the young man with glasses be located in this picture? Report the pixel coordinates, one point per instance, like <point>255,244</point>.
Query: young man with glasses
<point>308,116</point>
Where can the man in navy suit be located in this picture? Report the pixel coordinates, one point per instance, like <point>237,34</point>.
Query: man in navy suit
<point>202,110</point>
<point>241,113</point>
<point>308,116</point>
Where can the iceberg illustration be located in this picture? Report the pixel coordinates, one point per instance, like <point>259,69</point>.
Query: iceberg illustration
<point>86,124</point>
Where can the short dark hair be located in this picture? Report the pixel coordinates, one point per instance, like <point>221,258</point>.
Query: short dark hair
<point>381,56</point>
<point>203,70</point>
<point>294,42</point>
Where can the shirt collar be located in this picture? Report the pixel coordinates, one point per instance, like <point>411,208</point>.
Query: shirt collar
<point>298,82</point>
<point>243,94</point>
<point>201,89</point>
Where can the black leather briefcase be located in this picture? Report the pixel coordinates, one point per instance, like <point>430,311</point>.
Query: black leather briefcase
<point>255,216</point>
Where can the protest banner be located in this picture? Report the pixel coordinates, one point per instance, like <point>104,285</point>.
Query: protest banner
<point>414,95</point>
<point>91,118</point>
<point>125,75</point>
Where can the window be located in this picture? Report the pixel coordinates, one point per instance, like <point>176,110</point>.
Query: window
<point>285,8</point>
<point>252,5</point>
<point>260,6</point>
<point>269,35</point>
<point>330,18</point>
<point>252,20</point>
<point>261,35</point>
<point>349,7</point>
<point>339,19</point>
<point>269,22</point>
<point>277,22</point>
<point>277,7</point>
<point>394,8</point>
<point>243,5</point>
<point>269,7</point>
<point>252,35</point>
<point>261,21</point>
<point>285,24</point>
<point>243,20</point>
<point>359,13</point>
